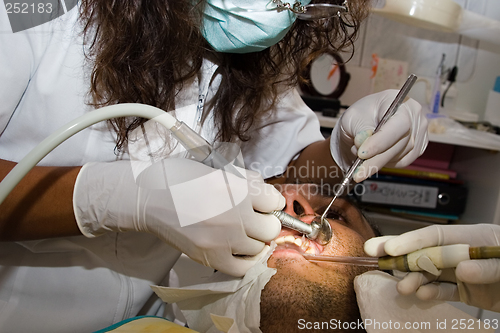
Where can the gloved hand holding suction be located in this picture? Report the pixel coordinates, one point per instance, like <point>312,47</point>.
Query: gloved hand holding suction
<point>474,282</point>
<point>398,143</point>
<point>215,217</point>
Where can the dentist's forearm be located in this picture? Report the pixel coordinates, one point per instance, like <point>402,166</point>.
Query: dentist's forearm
<point>40,206</point>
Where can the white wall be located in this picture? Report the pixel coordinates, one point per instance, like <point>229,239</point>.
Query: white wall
<point>478,62</point>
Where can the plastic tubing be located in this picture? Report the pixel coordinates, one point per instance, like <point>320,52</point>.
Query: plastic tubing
<point>75,126</point>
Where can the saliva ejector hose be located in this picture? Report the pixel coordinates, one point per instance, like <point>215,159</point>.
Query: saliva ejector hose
<point>430,259</point>
<point>192,141</point>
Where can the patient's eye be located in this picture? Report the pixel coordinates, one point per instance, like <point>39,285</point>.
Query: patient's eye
<point>336,213</point>
<point>333,215</point>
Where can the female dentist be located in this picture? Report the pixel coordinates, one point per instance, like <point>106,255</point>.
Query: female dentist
<point>85,234</point>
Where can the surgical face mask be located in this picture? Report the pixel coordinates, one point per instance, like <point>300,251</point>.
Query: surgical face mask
<point>244,26</point>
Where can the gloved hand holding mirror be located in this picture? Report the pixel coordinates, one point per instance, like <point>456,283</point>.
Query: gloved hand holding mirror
<point>397,144</point>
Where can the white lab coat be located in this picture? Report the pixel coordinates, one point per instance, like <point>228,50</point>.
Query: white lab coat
<point>77,284</point>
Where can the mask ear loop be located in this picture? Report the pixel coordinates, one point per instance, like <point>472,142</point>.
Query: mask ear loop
<point>296,8</point>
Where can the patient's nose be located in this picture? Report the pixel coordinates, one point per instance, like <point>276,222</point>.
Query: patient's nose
<point>297,204</point>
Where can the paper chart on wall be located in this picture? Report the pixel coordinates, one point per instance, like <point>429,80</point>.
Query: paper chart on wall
<point>388,74</point>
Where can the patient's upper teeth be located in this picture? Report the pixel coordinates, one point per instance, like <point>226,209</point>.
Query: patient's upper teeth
<point>299,241</point>
<point>280,240</point>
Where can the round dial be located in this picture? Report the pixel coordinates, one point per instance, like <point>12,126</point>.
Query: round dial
<point>327,76</point>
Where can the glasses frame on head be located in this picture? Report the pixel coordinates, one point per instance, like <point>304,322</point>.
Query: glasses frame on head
<point>301,10</point>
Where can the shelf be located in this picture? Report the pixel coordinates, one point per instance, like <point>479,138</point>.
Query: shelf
<point>329,122</point>
<point>460,141</point>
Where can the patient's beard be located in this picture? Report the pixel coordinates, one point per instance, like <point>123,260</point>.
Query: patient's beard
<point>289,297</point>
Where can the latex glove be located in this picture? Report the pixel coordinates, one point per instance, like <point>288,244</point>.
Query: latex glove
<point>474,282</point>
<point>214,217</point>
<point>397,144</point>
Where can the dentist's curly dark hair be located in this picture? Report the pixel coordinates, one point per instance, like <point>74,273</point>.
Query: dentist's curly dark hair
<point>143,51</point>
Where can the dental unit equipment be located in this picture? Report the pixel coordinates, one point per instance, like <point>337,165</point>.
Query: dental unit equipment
<point>321,232</point>
<point>430,259</point>
<point>388,114</point>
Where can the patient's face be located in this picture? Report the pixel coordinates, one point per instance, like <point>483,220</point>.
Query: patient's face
<point>307,202</point>
<point>313,291</point>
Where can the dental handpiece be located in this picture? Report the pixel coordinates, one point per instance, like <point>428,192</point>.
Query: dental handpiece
<point>319,232</point>
<point>388,114</point>
<point>430,259</point>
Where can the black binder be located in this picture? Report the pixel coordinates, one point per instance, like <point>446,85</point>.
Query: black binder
<point>418,195</point>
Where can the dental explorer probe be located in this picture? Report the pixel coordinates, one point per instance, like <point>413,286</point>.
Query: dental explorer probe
<point>430,259</point>
<point>388,114</point>
<point>320,232</point>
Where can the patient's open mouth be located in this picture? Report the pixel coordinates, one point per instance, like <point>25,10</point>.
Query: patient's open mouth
<point>298,243</point>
